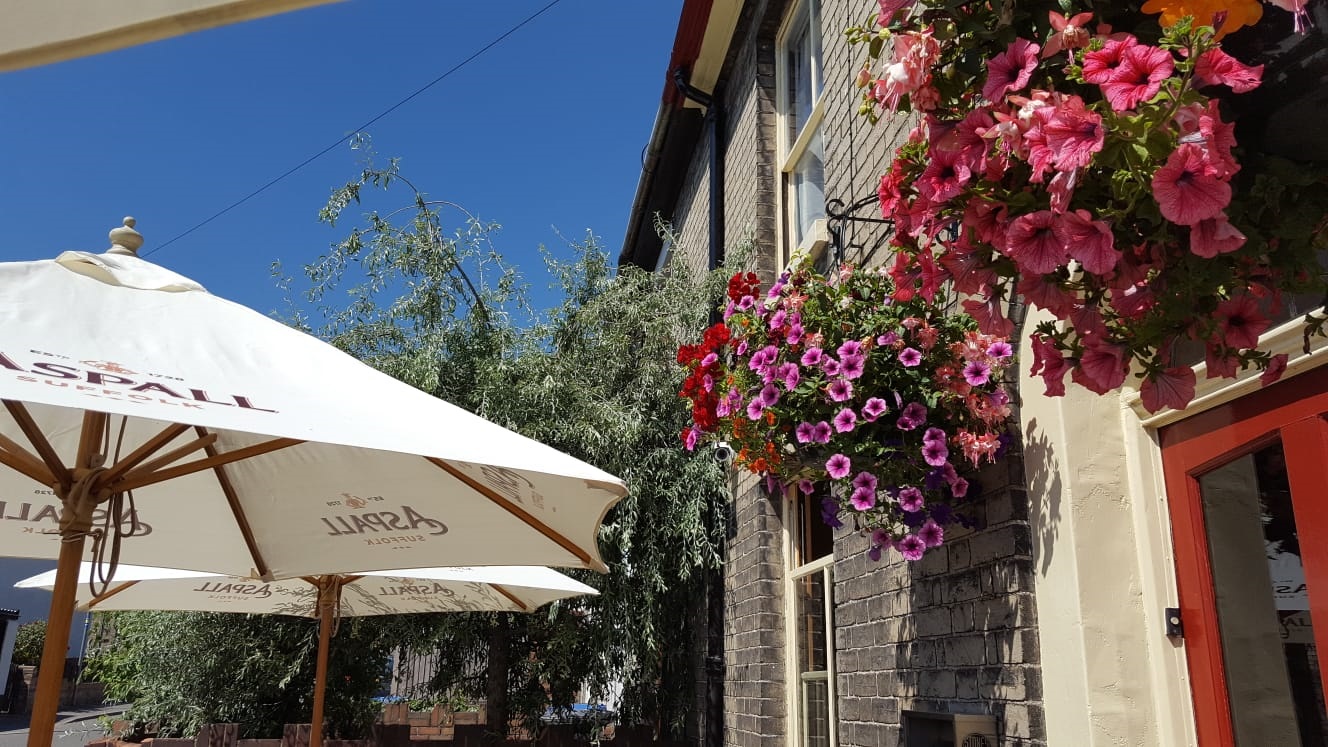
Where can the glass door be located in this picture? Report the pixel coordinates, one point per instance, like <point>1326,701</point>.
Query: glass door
<point>1247,489</point>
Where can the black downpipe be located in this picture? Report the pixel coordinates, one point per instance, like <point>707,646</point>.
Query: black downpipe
<point>714,662</point>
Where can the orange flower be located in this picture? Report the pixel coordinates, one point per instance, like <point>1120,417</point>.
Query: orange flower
<point>1238,13</point>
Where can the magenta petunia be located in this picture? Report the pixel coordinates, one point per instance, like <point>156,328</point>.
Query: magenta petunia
<point>1241,321</point>
<point>821,432</point>
<point>935,453</point>
<point>1073,133</point>
<point>910,357</point>
<point>888,338</point>
<point>1213,236</point>
<point>1089,241</point>
<point>977,373</point>
<point>1101,64</point>
<point>1216,67</point>
<point>852,366</point>
<point>840,390</point>
<point>769,395</point>
<point>846,420</point>
<point>931,533</point>
<point>1139,76</point>
<point>1102,367</point>
<point>690,437</point>
<point>754,410</point>
<point>1185,188</point>
<point>1010,70</point>
<point>838,466</point>
<point>805,433</point>
<point>1276,367</point>
<point>850,347</point>
<point>913,415</point>
<point>1000,350</point>
<point>830,366</point>
<point>742,348</point>
<point>959,488</point>
<point>874,408</point>
<point>910,499</point>
<point>811,357</point>
<point>863,499</point>
<point>806,487</point>
<point>911,547</point>
<point>864,480</point>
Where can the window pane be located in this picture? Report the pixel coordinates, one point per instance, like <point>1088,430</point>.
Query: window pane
<point>815,713</point>
<point>1262,603</point>
<point>814,538</point>
<point>802,58</point>
<point>811,623</point>
<point>807,189</point>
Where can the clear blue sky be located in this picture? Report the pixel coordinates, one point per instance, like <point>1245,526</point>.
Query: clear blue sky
<point>544,130</point>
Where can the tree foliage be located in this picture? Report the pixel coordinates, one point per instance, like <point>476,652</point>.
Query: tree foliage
<point>182,670</point>
<point>594,377</point>
<point>28,642</point>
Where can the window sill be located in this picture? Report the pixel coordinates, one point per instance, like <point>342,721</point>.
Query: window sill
<point>813,244</point>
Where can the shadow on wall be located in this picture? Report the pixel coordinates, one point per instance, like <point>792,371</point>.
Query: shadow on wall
<point>1044,479</point>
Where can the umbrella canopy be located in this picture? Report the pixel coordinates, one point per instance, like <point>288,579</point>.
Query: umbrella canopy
<point>212,438</point>
<point>475,589</point>
<point>483,589</point>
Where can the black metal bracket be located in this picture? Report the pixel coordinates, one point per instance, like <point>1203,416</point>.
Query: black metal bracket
<point>1175,627</point>
<point>842,220</point>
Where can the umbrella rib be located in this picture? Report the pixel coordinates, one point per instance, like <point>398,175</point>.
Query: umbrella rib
<point>39,442</point>
<point>149,447</point>
<point>233,499</point>
<point>175,455</point>
<point>19,458</point>
<point>511,597</point>
<point>107,595</point>
<point>513,509</point>
<point>138,479</point>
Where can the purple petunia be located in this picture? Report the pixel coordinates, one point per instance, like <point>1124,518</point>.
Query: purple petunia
<point>1000,349</point>
<point>846,420</point>
<point>830,513</point>
<point>852,366</point>
<point>746,303</point>
<point>830,366</point>
<point>933,434</point>
<point>910,499</point>
<point>754,410</point>
<point>805,433</point>
<point>976,373</point>
<point>821,432</point>
<point>689,441</point>
<point>838,466</point>
<point>911,547</point>
<point>874,553</point>
<point>789,373</point>
<point>959,488</point>
<point>931,534</point>
<point>812,356</point>
<point>710,360</point>
<point>874,409</point>
<point>794,335</point>
<point>935,453</point>
<point>729,311</point>
<point>914,415</point>
<point>865,480</point>
<point>742,348</point>
<point>910,357</point>
<point>850,347</point>
<point>840,390</point>
<point>806,486</point>
<point>777,319</point>
<point>863,499</point>
<point>769,395</point>
<point>889,338</point>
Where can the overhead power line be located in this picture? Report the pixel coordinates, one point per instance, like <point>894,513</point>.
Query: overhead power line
<point>495,42</point>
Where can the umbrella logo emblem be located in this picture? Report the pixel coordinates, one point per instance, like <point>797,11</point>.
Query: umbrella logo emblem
<point>109,367</point>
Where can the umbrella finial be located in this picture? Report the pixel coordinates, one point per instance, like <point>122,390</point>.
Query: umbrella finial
<point>125,240</point>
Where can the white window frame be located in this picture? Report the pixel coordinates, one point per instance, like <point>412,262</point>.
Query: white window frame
<point>796,734</point>
<point>788,153</point>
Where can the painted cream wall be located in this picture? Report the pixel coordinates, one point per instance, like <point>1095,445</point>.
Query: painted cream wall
<point>40,32</point>
<point>1103,555</point>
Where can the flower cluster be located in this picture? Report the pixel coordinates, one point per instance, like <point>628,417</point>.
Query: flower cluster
<point>1092,173</point>
<point>870,401</point>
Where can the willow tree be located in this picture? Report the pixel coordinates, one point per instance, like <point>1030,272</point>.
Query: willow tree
<point>595,377</point>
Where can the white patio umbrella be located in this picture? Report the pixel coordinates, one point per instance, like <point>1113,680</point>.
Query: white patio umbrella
<point>479,589</point>
<point>212,438</point>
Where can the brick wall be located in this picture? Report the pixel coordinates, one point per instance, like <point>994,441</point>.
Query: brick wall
<point>955,633</point>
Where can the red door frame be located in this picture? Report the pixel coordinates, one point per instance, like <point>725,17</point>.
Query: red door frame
<point>1293,410</point>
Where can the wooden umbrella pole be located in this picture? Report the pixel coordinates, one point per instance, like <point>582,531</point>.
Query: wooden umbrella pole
<point>327,600</point>
<point>51,675</point>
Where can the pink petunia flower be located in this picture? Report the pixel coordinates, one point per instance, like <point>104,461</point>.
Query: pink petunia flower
<point>1073,133</point>
<point>821,432</point>
<point>812,357</point>
<point>1102,367</point>
<point>1241,321</point>
<point>1100,65</point>
<point>1010,70</point>
<point>910,499</point>
<point>806,487</point>
<point>840,390</point>
<point>1000,350</point>
<point>754,410</point>
<point>989,315</point>
<point>931,533</point>
<point>910,357</point>
<point>1203,126</point>
<point>959,488</point>
<point>1186,191</point>
<point>935,453</point>
<point>1033,244</point>
<point>852,366</point>
<point>769,395</point>
<point>865,480</point>
<point>1049,363</point>
<point>690,437</point>
<point>846,420</point>
<point>977,373</point>
<point>1217,68</point>
<point>944,178</point>
<point>890,8</point>
<point>1139,76</point>
<point>805,433</point>
<point>1213,236</point>
<point>1276,367</point>
<point>1172,388</point>
<point>1090,241</point>
<point>863,499</point>
<point>830,366</point>
<point>911,547</point>
<point>933,435</point>
<point>913,415</point>
<point>1219,363</point>
<point>838,466</point>
<point>873,409</point>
